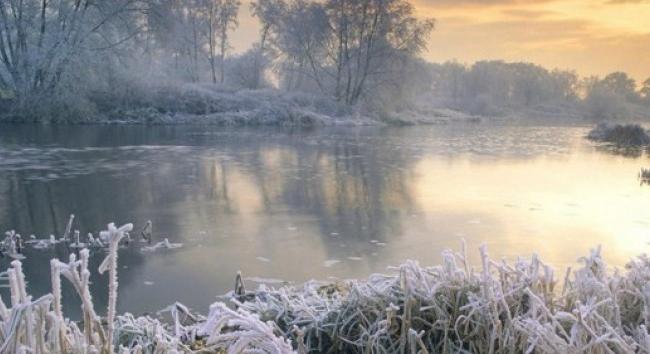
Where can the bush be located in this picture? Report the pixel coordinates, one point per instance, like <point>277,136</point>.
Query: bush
<point>623,135</point>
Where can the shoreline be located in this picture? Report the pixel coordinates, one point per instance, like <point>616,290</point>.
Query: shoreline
<point>209,105</point>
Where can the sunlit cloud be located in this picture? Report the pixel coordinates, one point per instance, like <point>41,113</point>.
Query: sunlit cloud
<point>626,1</point>
<point>590,36</point>
<point>461,3</point>
<point>527,14</point>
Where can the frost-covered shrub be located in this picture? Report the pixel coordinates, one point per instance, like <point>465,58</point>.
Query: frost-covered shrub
<point>248,70</point>
<point>501,308</point>
<point>219,105</point>
<point>623,135</point>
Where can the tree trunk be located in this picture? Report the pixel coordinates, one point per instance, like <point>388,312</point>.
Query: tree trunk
<point>213,69</point>
<point>259,56</point>
<point>224,43</point>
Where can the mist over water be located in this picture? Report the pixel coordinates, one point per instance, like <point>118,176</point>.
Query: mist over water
<point>295,205</point>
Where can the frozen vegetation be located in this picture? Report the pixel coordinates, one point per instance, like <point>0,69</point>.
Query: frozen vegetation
<point>170,61</point>
<point>620,135</point>
<point>314,63</point>
<point>215,105</point>
<point>493,306</point>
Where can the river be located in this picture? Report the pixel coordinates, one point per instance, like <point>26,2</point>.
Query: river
<point>286,206</point>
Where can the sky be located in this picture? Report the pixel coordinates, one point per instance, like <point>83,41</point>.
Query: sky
<point>593,37</point>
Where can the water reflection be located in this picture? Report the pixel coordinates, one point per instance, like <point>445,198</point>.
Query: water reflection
<point>644,176</point>
<point>294,205</point>
<point>625,151</point>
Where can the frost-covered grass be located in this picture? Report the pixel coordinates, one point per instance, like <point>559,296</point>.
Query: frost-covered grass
<point>217,105</point>
<point>491,307</point>
<point>191,103</point>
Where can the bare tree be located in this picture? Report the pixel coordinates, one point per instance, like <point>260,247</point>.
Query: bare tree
<point>269,13</point>
<point>43,40</point>
<point>176,27</point>
<point>220,20</point>
<point>341,47</point>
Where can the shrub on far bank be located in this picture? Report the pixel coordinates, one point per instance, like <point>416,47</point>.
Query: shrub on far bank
<point>622,135</point>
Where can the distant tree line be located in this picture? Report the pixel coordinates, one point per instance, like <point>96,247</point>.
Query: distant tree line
<point>497,87</point>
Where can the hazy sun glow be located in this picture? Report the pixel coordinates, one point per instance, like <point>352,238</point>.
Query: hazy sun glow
<point>594,37</point>
<point>591,36</point>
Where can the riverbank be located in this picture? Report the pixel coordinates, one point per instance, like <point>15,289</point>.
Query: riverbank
<point>207,104</point>
<point>456,306</point>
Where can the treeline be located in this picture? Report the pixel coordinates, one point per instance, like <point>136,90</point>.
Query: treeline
<point>499,88</point>
<point>77,57</point>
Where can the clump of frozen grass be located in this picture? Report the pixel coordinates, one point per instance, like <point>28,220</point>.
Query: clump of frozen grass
<point>165,244</point>
<point>113,236</point>
<point>147,231</point>
<point>621,135</point>
<point>499,308</point>
<point>451,308</point>
<point>238,331</point>
<point>12,245</point>
<point>77,241</point>
<point>68,228</point>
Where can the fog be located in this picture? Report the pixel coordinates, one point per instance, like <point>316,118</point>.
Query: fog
<point>313,62</point>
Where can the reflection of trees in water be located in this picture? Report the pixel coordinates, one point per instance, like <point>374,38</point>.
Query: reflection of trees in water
<point>353,187</point>
<point>83,135</point>
<point>43,208</point>
<point>644,176</point>
<point>624,151</point>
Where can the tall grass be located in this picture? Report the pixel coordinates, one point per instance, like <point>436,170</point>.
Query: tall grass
<point>491,307</point>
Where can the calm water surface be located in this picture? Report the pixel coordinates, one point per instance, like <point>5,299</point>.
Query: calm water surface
<point>295,205</point>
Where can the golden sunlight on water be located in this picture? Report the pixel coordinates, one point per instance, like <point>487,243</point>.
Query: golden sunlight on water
<point>558,206</point>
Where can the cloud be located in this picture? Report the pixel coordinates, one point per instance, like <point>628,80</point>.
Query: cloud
<point>445,4</point>
<point>618,2</point>
<point>477,2</point>
<point>527,13</point>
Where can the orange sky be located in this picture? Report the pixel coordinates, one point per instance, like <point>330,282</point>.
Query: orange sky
<point>591,36</point>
